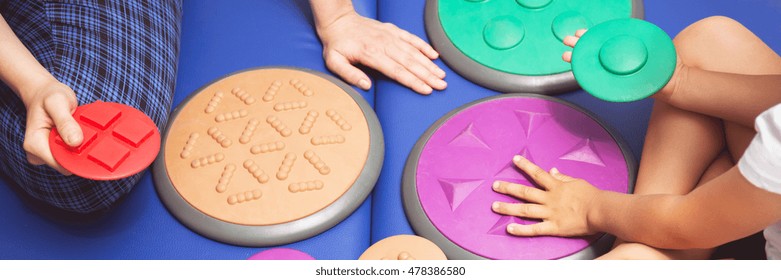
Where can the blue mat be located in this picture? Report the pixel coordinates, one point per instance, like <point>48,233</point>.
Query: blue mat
<point>219,38</point>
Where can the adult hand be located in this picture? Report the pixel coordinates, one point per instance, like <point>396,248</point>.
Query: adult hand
<point>665,93</point>
<point>48,105</point>
<point>353,39</point>
<point>563,203</point>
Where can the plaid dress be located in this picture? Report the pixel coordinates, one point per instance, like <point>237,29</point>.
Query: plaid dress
<point>117,51</point>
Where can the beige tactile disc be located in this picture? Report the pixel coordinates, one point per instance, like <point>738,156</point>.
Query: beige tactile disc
<point>403,247</point>
<point>266,147</point>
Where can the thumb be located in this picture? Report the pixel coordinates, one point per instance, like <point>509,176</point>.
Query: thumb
<point>60,109</point>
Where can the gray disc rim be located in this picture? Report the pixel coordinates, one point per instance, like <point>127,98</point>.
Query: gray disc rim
<point>285,233</point>
<point>494,79</point>
<point>424,227</point>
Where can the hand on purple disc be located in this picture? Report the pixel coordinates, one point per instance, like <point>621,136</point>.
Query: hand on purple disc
<point>563,204</point>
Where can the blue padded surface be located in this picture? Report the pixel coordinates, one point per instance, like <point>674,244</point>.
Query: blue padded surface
<point>406,115</point>
<point>217,39</point>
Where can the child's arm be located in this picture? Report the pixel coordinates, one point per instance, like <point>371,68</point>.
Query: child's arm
<point>738,98</point>
<point>349,38</point>
<point>724,209</point>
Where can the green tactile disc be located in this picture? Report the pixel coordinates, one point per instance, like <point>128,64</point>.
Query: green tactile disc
<point>523,37</point>
<point>624,60</point>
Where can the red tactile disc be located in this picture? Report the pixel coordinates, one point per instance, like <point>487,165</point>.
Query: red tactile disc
<point>119,141</point>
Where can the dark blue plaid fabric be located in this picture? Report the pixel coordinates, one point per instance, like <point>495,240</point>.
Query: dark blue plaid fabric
<point>118,51</point>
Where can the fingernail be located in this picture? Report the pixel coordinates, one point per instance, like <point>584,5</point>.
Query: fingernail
<point>495,205</point>
<point>441,84</point>
<point>517,158</point>
<point>554,171</point>
<point>72,139</point>
<point>364,84</point>
<point>510,228</point>
<point>496,185</point>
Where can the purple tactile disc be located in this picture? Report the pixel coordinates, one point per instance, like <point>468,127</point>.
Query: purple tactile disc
<point>281,254</point>
<point>450,172</point>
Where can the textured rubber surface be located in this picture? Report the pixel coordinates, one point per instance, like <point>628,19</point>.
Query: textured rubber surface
<point>340,155</point>
<point>281,254</point>
<point>450,172</point>
<point>403,247</point>
<point>119,141</point>
<point>515,46</point>
<point>624,60</point>
<point>523,37</point>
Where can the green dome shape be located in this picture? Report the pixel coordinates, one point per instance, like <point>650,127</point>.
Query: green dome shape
<point>624,60</point>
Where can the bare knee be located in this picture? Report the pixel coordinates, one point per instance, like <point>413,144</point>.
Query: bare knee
<point>708,27</point>
<point>698,40</point>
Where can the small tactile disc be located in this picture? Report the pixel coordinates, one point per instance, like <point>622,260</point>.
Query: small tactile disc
<point>624,60</point>
<point>516,45</point>
<point>448,176</point>
<point>119,141</point>
<point>281,254</point>
<point>403,247</point>
<point>269,156</point>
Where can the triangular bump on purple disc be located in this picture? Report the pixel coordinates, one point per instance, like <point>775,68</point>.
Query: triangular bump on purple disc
<point>469,137</point>
<point>500,227</point>
<point>531,120</point>
<point>510,170</point>
<point>457,190</point>
<point>527,154</point>
<point>584,152</point>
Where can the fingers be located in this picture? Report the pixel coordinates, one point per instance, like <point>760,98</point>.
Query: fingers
<point>571,41</point>
<point>396,71</point>
<point>543,228</point>
<point>34,160</point>
<point>561,177</point>
<point>36,144</point>
<point>422,67</point>
<point>421,45</point>
<point>525,210</point>
<point>57,107</point>
<point>567,56</point>
<point>537,174</point>
<point>526,193</point>
<point>339,64</point>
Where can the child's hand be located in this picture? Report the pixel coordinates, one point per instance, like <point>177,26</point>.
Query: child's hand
<point>571,41</point>
<point>48,105</point>
<point>563,204</point>
<point>664,94</point>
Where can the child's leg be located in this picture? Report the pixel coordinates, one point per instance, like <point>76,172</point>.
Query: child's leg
<point>640,251</point>
<point>724,45</point>
<point>680,145</point>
